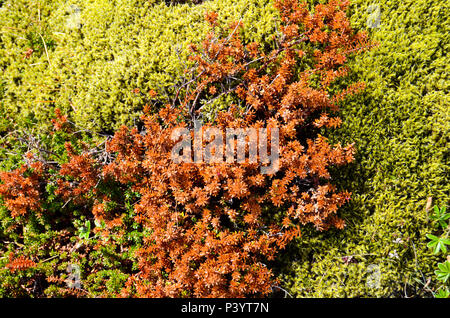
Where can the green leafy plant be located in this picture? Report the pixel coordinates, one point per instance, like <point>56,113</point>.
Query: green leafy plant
<point>440,216</point>
<point>85,230</point>
<point>438,244</point>
<point>443,294</point>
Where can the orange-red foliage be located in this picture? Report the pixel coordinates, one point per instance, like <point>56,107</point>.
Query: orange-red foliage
<point>20,263</point>
<point>211,226</point>
<point>20,188</point>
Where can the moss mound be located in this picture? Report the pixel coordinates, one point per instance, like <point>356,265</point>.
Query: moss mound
<point>400,127</point>
<point>97,60</point>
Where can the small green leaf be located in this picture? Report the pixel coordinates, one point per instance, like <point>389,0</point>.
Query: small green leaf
<point>446,241</point>
<point>436,210</point>
<point>443,273</point>
<point>442,294</point>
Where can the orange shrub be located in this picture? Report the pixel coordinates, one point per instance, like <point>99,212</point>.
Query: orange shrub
<point>211,227</point>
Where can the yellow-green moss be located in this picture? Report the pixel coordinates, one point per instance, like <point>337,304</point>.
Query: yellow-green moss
<point>100,51</point>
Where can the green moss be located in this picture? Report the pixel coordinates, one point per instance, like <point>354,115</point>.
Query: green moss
<point>400,128</point>
<point>100,51</point>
